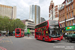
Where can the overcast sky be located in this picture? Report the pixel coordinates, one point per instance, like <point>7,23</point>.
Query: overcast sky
<point>23,7</point>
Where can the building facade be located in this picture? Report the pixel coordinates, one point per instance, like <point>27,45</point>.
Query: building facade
<point>35,14</point>
<point>29,25</point>
<point>67,13</point>
<point>53,11</point>
<point>8,11</point>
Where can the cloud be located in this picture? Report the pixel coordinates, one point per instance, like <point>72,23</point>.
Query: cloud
<point>23,7</point>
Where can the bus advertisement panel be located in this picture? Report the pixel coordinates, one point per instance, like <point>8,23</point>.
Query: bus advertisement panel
<point>48,31</point>
<point>19,32</point>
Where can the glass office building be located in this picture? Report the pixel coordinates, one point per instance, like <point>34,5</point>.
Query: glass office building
<point>35,13</point>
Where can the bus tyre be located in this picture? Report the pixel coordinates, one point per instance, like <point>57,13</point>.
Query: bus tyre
<point>43,39</point>
<point>36,38</point>
<point>70,40</point>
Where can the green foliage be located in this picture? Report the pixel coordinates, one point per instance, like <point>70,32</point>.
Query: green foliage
<point>8,24</point>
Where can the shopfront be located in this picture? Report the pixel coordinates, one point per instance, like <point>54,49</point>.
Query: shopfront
<point>70,29</point>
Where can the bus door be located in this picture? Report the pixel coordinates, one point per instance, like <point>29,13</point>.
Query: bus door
<point>42,35</point>
<point>39,35</point>
<point>46,35</point>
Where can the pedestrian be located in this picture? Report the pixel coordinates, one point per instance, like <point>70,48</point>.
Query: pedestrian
<point>6,34</point>
<point>28,34</point>
<point>32,33</point>
<point>74,32</point>
<point>66,33</point>
<point>0,34</point>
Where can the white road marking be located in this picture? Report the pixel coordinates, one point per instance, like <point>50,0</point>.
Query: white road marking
<point>27,37</point>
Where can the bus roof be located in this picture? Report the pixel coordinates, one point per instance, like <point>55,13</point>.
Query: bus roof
<point>46,20</point>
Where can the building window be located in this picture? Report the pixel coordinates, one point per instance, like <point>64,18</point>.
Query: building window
<point>69,7</point>
<point>72,13</point>
<point>60,13</point>
<point>72,6</point>
<point>63,11</point>
<point>67,16</point>
<point>63,17</point>
<point>68,23</point>
<point>60,19</point>
<point>72,22</point>
<point>64,24</point>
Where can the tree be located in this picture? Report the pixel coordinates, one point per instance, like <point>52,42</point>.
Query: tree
<point>19,24</point>
<point>1,22</point>
<point>8,24</point>
<point>4,21</point>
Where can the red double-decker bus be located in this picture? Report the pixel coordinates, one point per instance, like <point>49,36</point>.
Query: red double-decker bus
<point>48,31</point>
<point>19,32</point>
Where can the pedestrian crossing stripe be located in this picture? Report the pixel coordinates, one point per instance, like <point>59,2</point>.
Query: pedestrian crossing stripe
<point>27,38</point>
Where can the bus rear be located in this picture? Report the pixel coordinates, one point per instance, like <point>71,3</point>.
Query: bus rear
<point>17,32</point>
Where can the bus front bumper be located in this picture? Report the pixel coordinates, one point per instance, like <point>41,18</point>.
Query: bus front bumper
<point>55,39</point>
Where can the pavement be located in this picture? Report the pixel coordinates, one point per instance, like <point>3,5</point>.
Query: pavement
<point>30,43</point>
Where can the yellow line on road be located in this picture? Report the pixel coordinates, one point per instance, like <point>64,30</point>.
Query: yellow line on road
<point>11,41</point>
<point>6,40</point>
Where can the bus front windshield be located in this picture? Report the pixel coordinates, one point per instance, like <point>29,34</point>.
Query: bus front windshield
<point>54,29</point>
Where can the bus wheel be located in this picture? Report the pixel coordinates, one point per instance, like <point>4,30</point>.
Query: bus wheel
<point>70,40</point>
<point>43,39</point>
<point>36,38</point>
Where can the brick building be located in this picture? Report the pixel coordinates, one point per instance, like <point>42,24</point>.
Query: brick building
<point>67,13</point>
<point>53,11</point>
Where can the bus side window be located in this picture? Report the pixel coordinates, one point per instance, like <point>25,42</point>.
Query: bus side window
<point>39,33</point>
<point>36,33</point>
<point>42,32</point>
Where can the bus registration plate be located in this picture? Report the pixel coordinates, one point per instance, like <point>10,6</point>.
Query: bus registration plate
<point>17,35</point>
<point>54,38</point>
